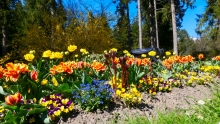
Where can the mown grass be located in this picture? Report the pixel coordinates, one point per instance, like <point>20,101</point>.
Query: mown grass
<point>206,113</point>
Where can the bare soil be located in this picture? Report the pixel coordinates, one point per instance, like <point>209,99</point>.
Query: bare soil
<point>178,98</point>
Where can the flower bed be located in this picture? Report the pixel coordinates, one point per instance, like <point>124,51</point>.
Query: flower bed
<point>47,89</point>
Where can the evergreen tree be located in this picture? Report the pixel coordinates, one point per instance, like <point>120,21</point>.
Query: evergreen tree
<point>9,23</point>
<point>209,21</point>
<point>123,27</point>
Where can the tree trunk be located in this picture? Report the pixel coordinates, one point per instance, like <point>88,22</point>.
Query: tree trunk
<point>174,27</point>
<point>139,23</point>
<point>156,27</point>
<point>129,28</point>
<point>52,29</point>
<point>152,29</point>
<point>4,28</point>
<point>4,39</point>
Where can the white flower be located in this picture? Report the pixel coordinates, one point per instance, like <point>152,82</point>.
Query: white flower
<point>200,117</point>
<point>201,102</point>
<point>188,113</point>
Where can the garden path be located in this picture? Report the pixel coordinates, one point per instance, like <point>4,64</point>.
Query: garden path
<point>178,98</point>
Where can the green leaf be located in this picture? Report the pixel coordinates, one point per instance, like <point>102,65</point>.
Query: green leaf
<point>39,64</point>
<point>32,105</point>
<point>88,79</point>
<point>36,111</point>
<point>9,107</point>
<point>166,76</point>
<point>43,116</point>
<point>21,113</point>
<point>33,85</point>
<point>8,115</point>
<point>63,87</point>
<point>140,75</point>
<point>88,108</point>
<point>13,88</point>
<point>2,91</point>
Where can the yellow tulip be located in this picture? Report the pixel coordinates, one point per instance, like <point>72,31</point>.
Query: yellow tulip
<point>47,54</point>
<point>58,55</point>
<point>71,48</point>
<point>29,57</point>
<point>152,53</point>
<point>143,55</point>
<point>168,53</point>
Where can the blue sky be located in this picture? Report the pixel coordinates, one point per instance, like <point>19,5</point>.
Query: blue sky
<point>189,20</point>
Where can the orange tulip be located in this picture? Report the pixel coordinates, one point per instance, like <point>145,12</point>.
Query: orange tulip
<point>1,71</point>
<point>13,71</point>
<point>98,66</point>
<point>13,99</point>
<point>200,56</point>
<point>130,61</point>
<point>12,75</point>
<point>217,58</point>
<point>34,75</point>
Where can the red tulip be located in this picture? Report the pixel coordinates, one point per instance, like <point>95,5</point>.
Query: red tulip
<point>10,100</point>
<point>34,75</point>
<point>18,97</point>
<point>13,99</point>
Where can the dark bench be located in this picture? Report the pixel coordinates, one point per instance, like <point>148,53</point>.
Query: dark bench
<point>138,52</point>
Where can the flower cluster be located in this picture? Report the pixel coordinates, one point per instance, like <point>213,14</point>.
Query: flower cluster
<point>84,51</point>
<point>52,55</point>
<point>155,84</point>
<point>138,61</point>
<point>96,95</point>
<point>68,67</point>
<point>127,54</point>
<point>177,59</point>
<point>212,69</point>
<point>201,78</point>
<point>130,97</point>
<point>56,105</point>
<point>216,58</point>
<point>2,112</point>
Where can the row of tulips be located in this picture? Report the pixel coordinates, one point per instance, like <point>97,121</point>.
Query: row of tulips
<point>48,89</point>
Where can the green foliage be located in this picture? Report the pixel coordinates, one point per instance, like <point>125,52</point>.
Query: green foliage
<point>92,34</point>
<point>136,73</point>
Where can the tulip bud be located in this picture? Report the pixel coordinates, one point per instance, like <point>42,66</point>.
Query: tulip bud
<point>34,75</point>
<point>44,82</point>
<point>66,53</point>
<point>32,51</point>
